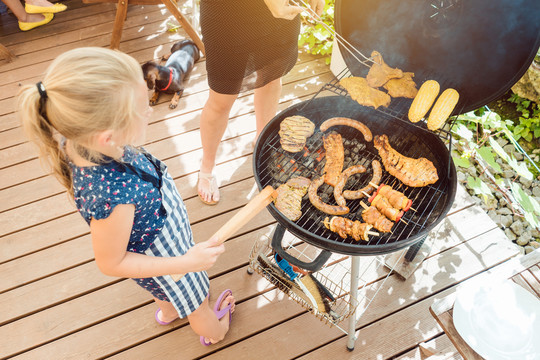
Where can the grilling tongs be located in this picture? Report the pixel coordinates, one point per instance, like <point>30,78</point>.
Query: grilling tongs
<point>252,208</point>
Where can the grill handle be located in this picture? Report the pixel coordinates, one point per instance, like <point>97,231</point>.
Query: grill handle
<point>315,265</point>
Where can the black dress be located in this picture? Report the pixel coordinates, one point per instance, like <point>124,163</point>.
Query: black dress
<point>246,46</point>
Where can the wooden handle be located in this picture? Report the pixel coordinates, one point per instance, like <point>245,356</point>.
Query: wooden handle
<point>248,212</point>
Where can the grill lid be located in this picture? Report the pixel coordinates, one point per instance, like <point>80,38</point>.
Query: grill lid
<point>479,47</point>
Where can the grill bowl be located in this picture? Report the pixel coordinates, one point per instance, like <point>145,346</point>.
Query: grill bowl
<point>273,166</point>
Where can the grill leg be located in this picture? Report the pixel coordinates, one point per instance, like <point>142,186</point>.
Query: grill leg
<point>355,272</point>
<point>413,250</point>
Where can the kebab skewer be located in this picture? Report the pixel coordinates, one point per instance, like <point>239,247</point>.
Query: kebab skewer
<point>396,198</point>
<point>345,227</point>
<point>383,205</point>
<point>373,217</point>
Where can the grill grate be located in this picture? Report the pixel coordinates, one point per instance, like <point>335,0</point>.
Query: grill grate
<point>274,166</point>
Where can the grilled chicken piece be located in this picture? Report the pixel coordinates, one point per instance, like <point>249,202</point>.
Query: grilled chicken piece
<point>335,155</point>
<point>384,207</point>
<point>395,198</point>
<point>380,73</point>
<point>345,227</point>
<point>373,217</point>
<point>294,131</point>
<point>359,90</point>
<point>402,87</point>
<point>289,198</point>
<point>412,172</point>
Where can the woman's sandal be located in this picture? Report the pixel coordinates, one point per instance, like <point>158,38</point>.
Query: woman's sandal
<point>220,313</point>
<point>214,188</point>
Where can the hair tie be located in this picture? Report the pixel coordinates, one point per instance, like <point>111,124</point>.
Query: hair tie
<point>42,91</point>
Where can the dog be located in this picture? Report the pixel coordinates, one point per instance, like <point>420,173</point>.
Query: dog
<point>170,78</point>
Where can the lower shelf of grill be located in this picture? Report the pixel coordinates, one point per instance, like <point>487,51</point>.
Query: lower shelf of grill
<point>336,277</point>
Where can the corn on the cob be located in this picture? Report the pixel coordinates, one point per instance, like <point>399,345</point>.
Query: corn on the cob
<point>423,100</point>
<point>442,109</point>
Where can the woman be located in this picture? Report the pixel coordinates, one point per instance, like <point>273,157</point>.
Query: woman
<point>250,45</point>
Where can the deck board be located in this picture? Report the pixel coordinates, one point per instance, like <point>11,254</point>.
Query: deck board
<point>57,305</point>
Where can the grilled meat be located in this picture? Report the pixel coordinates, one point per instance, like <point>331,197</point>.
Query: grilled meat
<point>359,90</point>
<point>338,189</point>
<point>373,217</point>
<point>348,122</point>
<point>380,73</point>
<point>412,172</point>
<point>376,179</point>
<point>289,198</point>
<point>321,205</point>
<point>345,227</point>
<point>294,131</point>
<point>333,144</point>
<point>395,198</point>
<point>385,208</point>
<point>402,87</point>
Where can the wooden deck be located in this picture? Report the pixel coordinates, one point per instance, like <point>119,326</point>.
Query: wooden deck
<point>57,305</point>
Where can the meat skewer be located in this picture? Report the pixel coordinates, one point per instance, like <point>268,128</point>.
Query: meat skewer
<point>396,198</point>
<point>345,227</point>
<point>373,217</point>
<point>382,204</point>
<point>333,144</point>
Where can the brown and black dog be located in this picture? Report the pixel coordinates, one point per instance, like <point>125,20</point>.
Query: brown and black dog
<point>170,78</point>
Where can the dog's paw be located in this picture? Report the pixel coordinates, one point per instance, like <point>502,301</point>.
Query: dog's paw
<point>152,102</point>
<point>172,106</point>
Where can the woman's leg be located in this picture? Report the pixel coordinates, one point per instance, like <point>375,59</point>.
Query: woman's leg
<point>204,321</point>
<point>214,119</point>
<point>168,312</point>
<point>266,104</point>
<point>18,10</point>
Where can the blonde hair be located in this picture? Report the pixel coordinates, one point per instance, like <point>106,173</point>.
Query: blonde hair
<point>88,90</point>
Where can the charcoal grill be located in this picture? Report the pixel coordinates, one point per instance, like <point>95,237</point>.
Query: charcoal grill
<point>442,40</point>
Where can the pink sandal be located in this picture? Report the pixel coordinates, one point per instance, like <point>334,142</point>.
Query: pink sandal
<point>160,322</point>
<point>220,313</point>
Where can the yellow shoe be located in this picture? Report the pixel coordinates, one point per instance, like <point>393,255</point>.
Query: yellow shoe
<point>25,26</point>
<point>33,9</point>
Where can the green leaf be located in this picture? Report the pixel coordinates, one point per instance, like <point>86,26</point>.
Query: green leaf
<point>486,154</point>
<point>478,186</point>
<point>520,168</point>
<point>462,162</point>
<point>462,131</point>
<point>498,149</point>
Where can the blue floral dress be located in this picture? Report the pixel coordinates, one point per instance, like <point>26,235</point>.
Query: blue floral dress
<point>160,226</point>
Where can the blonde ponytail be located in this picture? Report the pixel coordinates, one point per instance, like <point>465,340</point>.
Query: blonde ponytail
<point>88,90</point>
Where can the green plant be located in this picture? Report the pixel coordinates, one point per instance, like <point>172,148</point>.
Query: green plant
<point>529,120</point>
<point>314,37</point>
<point>476,139</point>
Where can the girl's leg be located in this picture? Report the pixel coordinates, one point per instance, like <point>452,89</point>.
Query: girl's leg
<point>266,104</point>
<point>214,118</point>
<point>204,321</point>
<point>168,312</point>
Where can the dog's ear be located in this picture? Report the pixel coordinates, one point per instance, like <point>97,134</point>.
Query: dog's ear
<point>150,74</point>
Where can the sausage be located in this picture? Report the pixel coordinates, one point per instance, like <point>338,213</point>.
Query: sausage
<point>338,189</point>
<point>321,205</point>
<point>376,179</point>
<point>348,122</point>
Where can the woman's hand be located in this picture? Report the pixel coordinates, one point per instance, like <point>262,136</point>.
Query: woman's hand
<point>203,255</point>
<point>282,9</point>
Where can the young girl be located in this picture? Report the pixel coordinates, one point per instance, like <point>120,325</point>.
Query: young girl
<point>85,116</point>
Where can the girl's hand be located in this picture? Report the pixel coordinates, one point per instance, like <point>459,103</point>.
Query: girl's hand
<point>203,255</point>
<point>282,9</point>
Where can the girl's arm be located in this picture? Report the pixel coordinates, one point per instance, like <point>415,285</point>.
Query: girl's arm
<point>110,238</point>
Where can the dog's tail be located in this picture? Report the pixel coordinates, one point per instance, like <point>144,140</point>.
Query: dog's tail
<point>177,46</point>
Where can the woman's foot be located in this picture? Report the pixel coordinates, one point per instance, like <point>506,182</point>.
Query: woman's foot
<point>207,188</point>
<point>43,6</point>
<point>32,21</point>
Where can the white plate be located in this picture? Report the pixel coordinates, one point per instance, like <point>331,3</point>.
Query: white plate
<point>500,321</point>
